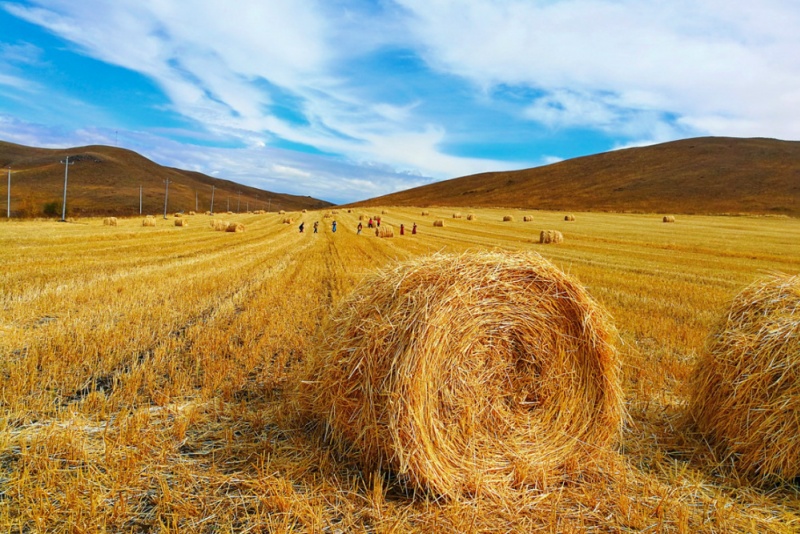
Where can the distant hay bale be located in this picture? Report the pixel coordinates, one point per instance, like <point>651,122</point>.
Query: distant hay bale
<point>439,223</point>
<point>149,221</point>
<point>335,212</point>
<point>745,395</point>
<point>305,211</point>
<point>235,227</point>
<point>281,212</point>
<point>110,221</point>
<point>230,212</point>
<point>456,215</point>
<point>507,218</point>
<point>384,212</point>
<point>669,218</point>
<point>349,211</point>
<point>362,217</point>
<point>192,213</point>
<point>472,217</point>
<point>181,222</point>
<point>208,213</point>
<point>288,220</point>
<point>569,217</point>
<point>551,236</point>
<point>384,230</point>
<point>527,218</point>
<point>177,214</point>
<point>425,213</point>
<point>466,374</point>
<point>219,225</point>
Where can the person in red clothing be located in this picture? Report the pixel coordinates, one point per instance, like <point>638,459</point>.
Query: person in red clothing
<point>402,230</point>
<point>414,229</point>
<point>369,224</point>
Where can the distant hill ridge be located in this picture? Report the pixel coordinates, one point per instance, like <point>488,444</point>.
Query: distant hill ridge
<point>105,180</point>
<point>711,175</point>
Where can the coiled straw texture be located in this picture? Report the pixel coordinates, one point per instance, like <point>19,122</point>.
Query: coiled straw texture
<point>467,374</point>
<point>746,388</point>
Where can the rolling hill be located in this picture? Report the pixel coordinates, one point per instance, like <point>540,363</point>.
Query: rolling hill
<point>105,180</point>
<point>711,175</point>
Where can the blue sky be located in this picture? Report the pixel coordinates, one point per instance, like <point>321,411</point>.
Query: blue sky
<point>349,99</point>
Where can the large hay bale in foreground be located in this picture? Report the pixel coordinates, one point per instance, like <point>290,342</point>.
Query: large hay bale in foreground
<point>149,221</point>
<point>550,236</point>
<point>181,222</point>
<point>467,374</point>
<point>110,221</point>
<point>384,230</point>
<point>569,217</point>
<point>507,218</point>
<point>439,223</point>
<point>235,227</point>
<point>219,225</point>
<point>746,387</point>
<point>668,218</point>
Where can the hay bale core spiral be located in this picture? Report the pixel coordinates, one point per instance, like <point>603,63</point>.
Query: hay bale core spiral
<point>746,388</point>
<point>466,374</point>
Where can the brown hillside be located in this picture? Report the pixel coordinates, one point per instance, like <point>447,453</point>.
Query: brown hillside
<point>702,175</point>
<point>105,180</point>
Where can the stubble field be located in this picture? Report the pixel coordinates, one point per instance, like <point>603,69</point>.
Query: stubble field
<point>144,374</point>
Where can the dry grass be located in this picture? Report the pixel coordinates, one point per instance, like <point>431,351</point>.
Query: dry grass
<point>746,388</point>
<point>668,218</point>
<point>468,374</point>
<point>235,227</point>
<point>439,223</point>
<point>110,221</point>
<point>551,236</point>
<point>144,378</point>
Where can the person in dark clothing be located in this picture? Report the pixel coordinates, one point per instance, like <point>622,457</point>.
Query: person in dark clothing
<point>316,226</point>
<point>402,230</point>
<point>333,227</point>
<point>414,229</point>
<point>360,227</point>
<point>302,225</point>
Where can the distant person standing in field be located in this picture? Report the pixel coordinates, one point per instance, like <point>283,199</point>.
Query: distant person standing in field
<point>402,230</point>
<point>378,222</point>
<point>414,229</point>
<point>333,227</point>
<point>369,224</point>
<point>316,226</point>
<point>302,225</point>
<point>360,227</point>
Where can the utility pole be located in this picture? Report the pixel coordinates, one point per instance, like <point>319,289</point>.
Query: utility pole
<point>239,202</point>
<point>8,204</point>
<point>195,200</point>
<point>166,196</point>
<point>212,199</point>
<point>140,199</point>
<point>269,204</point>
<point>64,203</point>
<point>229,203</point>
<point>247,209</point>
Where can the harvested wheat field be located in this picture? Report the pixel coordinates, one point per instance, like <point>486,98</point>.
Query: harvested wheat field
<point>150,377</point>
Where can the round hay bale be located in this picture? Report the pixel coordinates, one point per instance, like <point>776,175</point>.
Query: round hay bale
<point>746,387</point>
<point>282,212</point>
<point>550,236</point>
<point>507,218</point>
<point>668,218</point>
<point>110,221</point>
<point>219,225</point>
<point>384,230</point>
<point>527,218</point>
<point>181,222</point>
<point>192,213</point>
<point>456,215</point>
<point>149,221</point>
<point>384,212</point>
<point>288,220</point>
<point>467,374</point>
<point>305,211</point>
<point>472,217</point>
<point>235,227</point>
<point>425,213</point>
<point>177,215</point>
<point>569,217</point>
<point>439,223</point>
